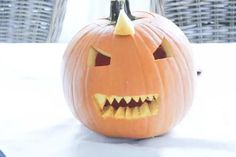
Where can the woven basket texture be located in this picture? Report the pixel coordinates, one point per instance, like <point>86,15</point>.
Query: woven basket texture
<point>201,20</point>
<point>31,20</point>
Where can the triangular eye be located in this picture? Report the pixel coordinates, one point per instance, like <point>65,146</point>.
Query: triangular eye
<point>102,60</point>
<point>165,50</point>
<point>160,53</point>
<point>98,58</point>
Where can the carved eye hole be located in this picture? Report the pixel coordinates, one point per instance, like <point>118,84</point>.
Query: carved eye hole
<point>160,53</point>
<point>98,58</point>
<point>165,50</point>
<point>102,60</point>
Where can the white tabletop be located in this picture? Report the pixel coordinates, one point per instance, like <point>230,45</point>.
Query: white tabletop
<point>36,122</point>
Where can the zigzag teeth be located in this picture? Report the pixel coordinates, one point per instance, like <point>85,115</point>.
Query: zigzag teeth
<point>156,96</point>
<point>127,99</point>
<point>154,107</point>
<point>101,100</point>
<point>128,113</point>
<point>144,110</point>
<point>136,98</point>
<point>118,99</point>
<point>111,99</point>
<point>120,113</point>
<point>143,98</point>
<point>149,107</point>
<point>109,112</point>
<point>150,97</point>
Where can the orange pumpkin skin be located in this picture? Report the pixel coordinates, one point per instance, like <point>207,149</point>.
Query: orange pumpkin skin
<point>132,71</point>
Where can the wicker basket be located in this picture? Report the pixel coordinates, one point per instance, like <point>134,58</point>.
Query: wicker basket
<point>31,20</point>
<point>201,20</point>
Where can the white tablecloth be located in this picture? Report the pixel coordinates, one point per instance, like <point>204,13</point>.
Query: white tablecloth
<point>36,122</point>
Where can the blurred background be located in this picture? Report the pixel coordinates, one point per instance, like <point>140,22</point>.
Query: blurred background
<point>59,20</point>
<point>80,13</point>
<point>51,20</point>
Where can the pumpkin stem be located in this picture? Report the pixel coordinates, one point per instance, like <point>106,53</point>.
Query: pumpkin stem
<point>127,10</point>
<point>116,6</point>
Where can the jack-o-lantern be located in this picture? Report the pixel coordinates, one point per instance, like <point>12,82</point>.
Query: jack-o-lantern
<point>129,76</point>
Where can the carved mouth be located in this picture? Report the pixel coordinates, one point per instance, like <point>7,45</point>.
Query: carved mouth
<point>128,107</point>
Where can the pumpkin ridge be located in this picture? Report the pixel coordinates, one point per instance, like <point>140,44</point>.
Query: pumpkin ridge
<point>161,83</point>
<point>189,80</point>
<point>141,39</point>
<point>141,67</point>
<point>182,60</point>
<point>183,89</point>
<point>182,52</point>
<point>100,30</point>
<point>69,51</point>
<point>150,25</point>
<point>77,60</point>
<point>163,95</point>
<point>67,58</point>
<point>157,39</point>
<point>180,109</point>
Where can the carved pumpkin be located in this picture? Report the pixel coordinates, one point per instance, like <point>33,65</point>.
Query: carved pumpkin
<point>131,79</point>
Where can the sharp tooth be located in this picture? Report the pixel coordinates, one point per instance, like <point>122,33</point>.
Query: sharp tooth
<point>120,113</point>
<point>118,99</point>
<point>111,99</point>
<point>136,98</point>
<point>109,112</point>
<point>135,113</point>
<point>128,113</point>
<point>144,110</point>
<point>127,99</point>
<point>143,98</point>
<point>100,99</point>
<point>156,96</point>
<point>154,108</point>
<point>150,97</point>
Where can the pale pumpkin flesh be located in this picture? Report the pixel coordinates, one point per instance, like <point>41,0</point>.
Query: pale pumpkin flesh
<point>124,25</point>
<point>154,63</point>
<point>127,107</point>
